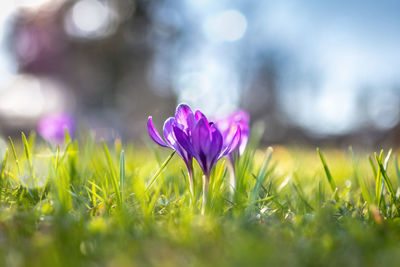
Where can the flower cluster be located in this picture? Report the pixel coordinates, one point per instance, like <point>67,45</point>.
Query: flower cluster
<point>191,135</point>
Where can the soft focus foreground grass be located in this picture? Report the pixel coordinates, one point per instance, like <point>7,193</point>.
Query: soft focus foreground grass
<point>75,206</point>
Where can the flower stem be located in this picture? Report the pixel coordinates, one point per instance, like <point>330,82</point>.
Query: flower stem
<point>232,178</point>
<point>206,182</point>
<point>190,175</point>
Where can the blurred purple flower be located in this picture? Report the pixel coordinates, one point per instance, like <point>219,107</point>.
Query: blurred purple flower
<point>52,127</point>
<point>228,125</point>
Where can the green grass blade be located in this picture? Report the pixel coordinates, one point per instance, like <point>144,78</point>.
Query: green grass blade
<point>371,162</point>
<point>27,153</point>
<point>14,154</point>
<point>361,182</point>
<point>122,173</point>
<point>3,163</point>
<point>67,135</point>
<point>385,176</point>
<point>155,176</point>
<point>114,179</point>
<point>65,153</point>
<point>396,164</point>
<point>378,180</point>
<point>31,140</point>
<point>264,168</point>
<point>387,159</point>
<point>260,178</point>
<point>56,160</point>
<point>300,193</point>
<point>327,172</point>
<point>216,182</point>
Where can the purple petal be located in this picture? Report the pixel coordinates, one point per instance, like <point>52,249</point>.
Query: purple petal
<point>201,139</point>
<point>216,146</point>
<point>183,140</point>
<point>228,125</point>
<point>198,115</point>
<point>244,137</point>
<point>240,116</point>
<point>201,136</point>
<point>185,117</point>
<point>154,134</point>
<point>170,137</point>
<point>168,132</point>
<point>233,144</point>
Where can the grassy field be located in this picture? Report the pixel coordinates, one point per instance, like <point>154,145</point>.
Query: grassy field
<point>91,204</point>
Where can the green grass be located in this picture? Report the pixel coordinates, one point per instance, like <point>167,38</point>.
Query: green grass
<point>89,203</point>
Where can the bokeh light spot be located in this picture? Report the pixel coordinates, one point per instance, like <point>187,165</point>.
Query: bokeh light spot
<point>89,19</point>
<point>229,25</point>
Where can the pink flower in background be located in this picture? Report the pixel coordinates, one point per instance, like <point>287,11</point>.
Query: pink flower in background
<point>207,143</point>
<point>228,126</point>
<point>52,127</point>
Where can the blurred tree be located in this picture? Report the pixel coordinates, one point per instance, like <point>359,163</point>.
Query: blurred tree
<point>107,75</point>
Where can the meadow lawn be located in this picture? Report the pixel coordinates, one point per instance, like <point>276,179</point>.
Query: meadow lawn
<point>88,203</point>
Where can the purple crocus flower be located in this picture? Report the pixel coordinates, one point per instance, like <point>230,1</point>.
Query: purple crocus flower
<point>52,127</point>
<point>207,145</point>
<point>184,121</point>
<point>191,135</point>
<point>206,142</point>
<point>227,126</point>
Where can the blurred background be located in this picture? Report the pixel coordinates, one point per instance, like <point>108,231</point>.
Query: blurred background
<point>314,72</point>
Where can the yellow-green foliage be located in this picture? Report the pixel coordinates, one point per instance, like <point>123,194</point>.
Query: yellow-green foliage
<point>88,203</point>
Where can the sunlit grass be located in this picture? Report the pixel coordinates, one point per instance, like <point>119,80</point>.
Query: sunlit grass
<point>88,203</point>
